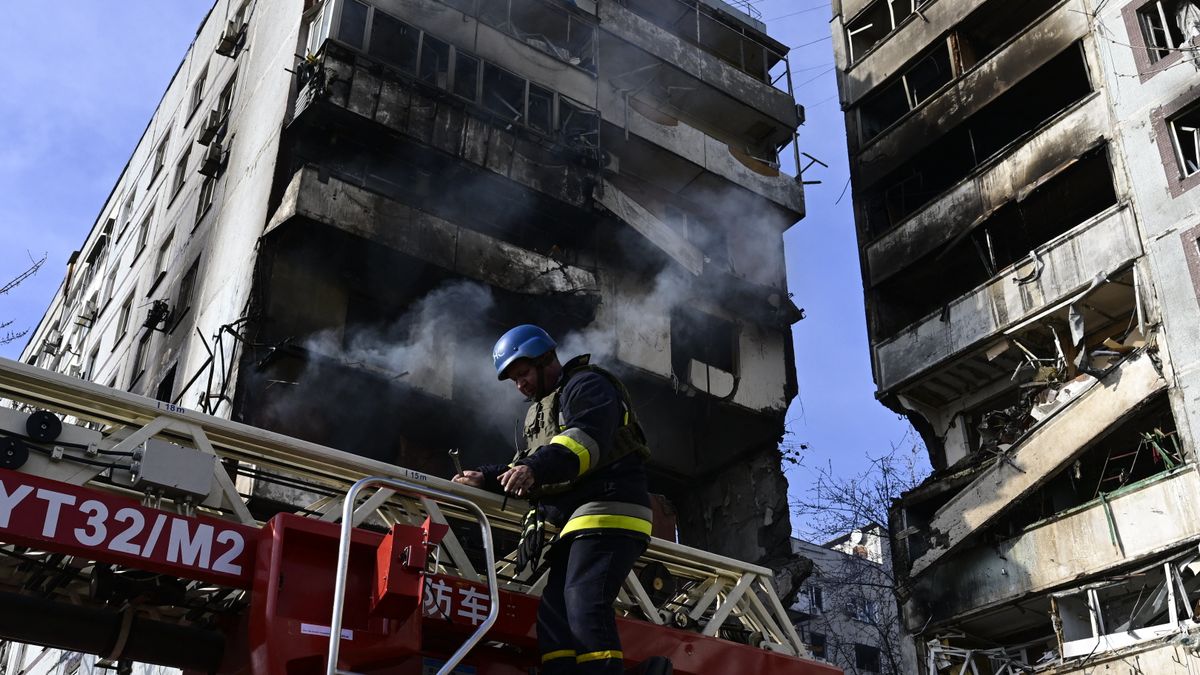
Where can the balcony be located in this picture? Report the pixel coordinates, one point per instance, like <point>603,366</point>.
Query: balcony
<point>1145,519</point>
<point>957,101</point>
<point>743,93</point>
<point>642,134</point>
<point>970,200</point>
<point>1064,267</point>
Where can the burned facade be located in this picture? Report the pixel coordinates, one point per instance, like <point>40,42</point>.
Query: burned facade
<point>1024,181</point>
<point>327,245</point>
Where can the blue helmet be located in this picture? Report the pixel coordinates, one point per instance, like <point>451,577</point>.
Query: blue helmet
<point>523,342</point>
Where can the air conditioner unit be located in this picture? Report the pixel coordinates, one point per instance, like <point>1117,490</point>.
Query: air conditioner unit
<point>232,40</point>
<point>52,343</point>
<point>212,127</point>
<point>158,314</point>
<point>214,161</point>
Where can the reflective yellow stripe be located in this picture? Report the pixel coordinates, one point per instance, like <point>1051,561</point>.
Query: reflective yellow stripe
<point>596,656</point>
<point>640,525</point>
<point>560,654</point>
<point>585,457</point>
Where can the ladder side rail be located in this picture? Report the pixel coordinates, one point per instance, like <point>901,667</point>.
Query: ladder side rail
<point>339,590</point>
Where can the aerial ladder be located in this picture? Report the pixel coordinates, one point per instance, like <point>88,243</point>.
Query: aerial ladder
<point>125,532</point>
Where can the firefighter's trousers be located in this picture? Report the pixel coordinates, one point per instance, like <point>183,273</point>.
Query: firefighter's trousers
<point>577,628</point>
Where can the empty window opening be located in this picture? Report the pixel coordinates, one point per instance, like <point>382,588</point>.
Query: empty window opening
<point>503,93</point>
<point>1016,113</point>
<point>1162,24</point>
<point>816,645</point>
<point>992,25</point>
<point>722,36</point>
<point>541,108</point>
<point>1185,136</point>
<point>1076,193</point>
<point>166,386</point>
<point>876,22</point>
<point>580,124</point>
<point>914,86</point>
<point>702,337</point>
<point>547,27</point>
<point>435,62</point>
<point>866,657</point>
<point>394,42</point>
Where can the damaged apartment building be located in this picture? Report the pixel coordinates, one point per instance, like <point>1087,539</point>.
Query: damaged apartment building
<point>1025,189</point>
<point>338,206</point>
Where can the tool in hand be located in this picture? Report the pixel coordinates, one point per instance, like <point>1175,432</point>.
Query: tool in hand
<point>457,464</point>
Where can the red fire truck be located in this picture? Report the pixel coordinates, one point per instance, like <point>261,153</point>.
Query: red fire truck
<point>125,533</point>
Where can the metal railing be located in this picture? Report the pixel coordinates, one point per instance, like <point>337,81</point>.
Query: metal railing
<point>716,595</point>
<point>339,588</point>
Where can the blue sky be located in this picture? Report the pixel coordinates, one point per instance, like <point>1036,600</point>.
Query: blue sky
<point>81,79</point>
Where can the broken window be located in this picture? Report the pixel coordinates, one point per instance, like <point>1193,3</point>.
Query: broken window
<point>1018,112</point>
<point>875,23</point>
<point>1185,136</point>
<point>1160,22</point>
<point>913,87</point>
<point>579,124</point>
<point>541,108</point>
<point>166,386</point>
<point>394,41</point>
<point>992,25</point>
<point>435,62</point>
<point>1135,607</point>
<point>547,27</point>
<point>352,27</point>
<point>702,337</point>
<point>503,93</point>
<point>466,76</point>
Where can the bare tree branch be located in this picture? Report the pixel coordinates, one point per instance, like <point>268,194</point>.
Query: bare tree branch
<point>861,589</point>
<point>10,336</point>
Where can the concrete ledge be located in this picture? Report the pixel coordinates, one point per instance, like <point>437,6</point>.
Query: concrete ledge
<point>959,207</point>
<point>705,152</point>
<point>1105,244</point>
<point>972,92</point>
<point>1042,455</point>
<point>694,61</point>
<point>436,241</point>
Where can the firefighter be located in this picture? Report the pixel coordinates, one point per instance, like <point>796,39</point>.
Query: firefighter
<point>583,469</point>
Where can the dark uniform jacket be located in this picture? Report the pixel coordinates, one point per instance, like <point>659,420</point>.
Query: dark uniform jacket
<point>588,490</point>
